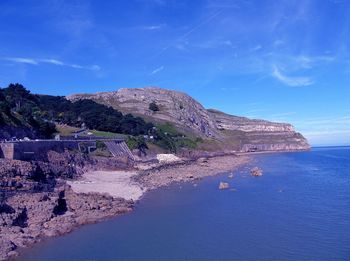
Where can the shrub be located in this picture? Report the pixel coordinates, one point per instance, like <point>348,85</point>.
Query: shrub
<point>153,106</point>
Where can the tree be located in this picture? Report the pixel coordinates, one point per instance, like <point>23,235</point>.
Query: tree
<point>16,95</point>
<point>4,106</point>
<point>153,106</point>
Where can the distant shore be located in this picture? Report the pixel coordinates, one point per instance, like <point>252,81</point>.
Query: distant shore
<point>98,195</point>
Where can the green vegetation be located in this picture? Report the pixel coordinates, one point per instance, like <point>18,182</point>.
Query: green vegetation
<point>66,130</point>
<point>153,106</point>
<point>101,150</point>
<point>40,116</point>
<point>20,110</point>
<point>168,138</point>
<point>137,143</point>
<point>108,135</point>
<point>92,115</point>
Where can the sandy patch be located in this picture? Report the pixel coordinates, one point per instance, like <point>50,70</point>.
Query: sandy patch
<point>118,184</point>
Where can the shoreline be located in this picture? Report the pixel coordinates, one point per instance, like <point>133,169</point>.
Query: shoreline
<point>85,205</point>
<point>89,200</point>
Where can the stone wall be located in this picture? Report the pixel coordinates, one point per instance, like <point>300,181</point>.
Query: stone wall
<point>36,150</point>
<point>7,150</point>
<point>30,150</point>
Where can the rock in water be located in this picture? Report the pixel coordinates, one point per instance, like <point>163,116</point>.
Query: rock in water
<point>224,185</point>
<point>256,172</point>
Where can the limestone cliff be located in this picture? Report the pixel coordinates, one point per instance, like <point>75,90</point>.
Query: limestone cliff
<point>175,107</point>
<point>232,132</point>
<point>229,122</point>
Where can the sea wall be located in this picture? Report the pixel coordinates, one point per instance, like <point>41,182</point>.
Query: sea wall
<point>30,150</point>
<point>7,150</point>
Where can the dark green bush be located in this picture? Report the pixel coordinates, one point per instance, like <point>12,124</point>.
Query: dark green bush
<point>153,106</point>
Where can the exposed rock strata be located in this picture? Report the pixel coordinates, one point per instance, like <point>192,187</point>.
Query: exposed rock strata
<point>26,218</point>
<point>175,107</point>
<point>229,122</point>
<point>189,115</point>
<point>31,215</point>
<point>38,176</point>
<point>35,202</point>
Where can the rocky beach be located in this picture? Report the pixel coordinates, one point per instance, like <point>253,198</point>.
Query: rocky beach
<point>91,191</point>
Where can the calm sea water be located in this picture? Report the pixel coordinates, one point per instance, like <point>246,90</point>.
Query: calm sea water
<point>299,210</point>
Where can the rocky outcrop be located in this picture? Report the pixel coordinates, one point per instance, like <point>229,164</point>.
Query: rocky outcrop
<point>175,107</point>
<point>189,115</point>
<point>191,170</point>
<point>26,218</point>
<point>41,176</point>
<point>225,121</point>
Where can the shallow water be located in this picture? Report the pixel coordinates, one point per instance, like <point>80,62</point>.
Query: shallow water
<point>298,210</point>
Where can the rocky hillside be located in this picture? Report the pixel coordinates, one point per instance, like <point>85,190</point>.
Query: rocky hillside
<point>175,107</point>
<point>228,132</point>
<point>229,122</point>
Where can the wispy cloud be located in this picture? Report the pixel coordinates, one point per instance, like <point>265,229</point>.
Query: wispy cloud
<point>294,81</point>
<point>308,62</point>
<point>154,27</point>
<point>283,114</point>
<point>34,61</point>
<point>211,44</point>
<point>52,61</point>
<point>157,70</point>
<point>256,48</point>
<point>189,32</point>
<point>325,129</point>
<point>225,4</point>
<point>22,60</point>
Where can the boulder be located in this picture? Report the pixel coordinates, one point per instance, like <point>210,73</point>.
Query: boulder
<point>224,185</point>
<point>167,158</point>
<point>256,172</point>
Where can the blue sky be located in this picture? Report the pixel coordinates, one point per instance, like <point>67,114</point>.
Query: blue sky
<point>282,60</point>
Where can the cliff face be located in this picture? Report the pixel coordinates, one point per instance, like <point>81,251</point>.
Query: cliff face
<point>189,115</point>
<point>260,135</point>
<point>175,107</point>
<point>229,122</point>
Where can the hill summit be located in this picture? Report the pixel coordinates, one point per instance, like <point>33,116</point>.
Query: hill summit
<point>159,105</point>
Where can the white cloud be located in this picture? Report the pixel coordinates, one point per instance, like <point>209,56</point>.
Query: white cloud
<point>222,4</point>
<point>278,42</point>
<point>256,48</point>
<point>283,114</point>
<point>33,61</point>
<point>308,62</point>
<point>214,44</point>
<point>21,60</point>
<point>155,71</point>
<point>153,27</point>
<point>325,130</point>
<point>294,81</point>
<point>95,67</point>
<point>52,61</point>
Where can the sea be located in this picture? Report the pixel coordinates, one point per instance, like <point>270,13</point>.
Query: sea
<point>298,210</point>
